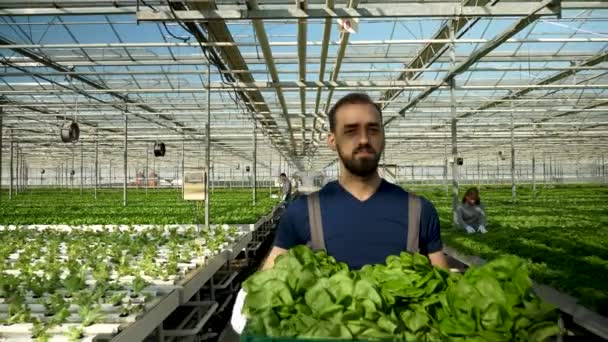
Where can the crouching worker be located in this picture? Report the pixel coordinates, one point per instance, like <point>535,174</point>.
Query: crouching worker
<point>471,213</point>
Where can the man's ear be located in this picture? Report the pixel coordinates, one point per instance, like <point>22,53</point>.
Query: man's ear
<point>331,141</point>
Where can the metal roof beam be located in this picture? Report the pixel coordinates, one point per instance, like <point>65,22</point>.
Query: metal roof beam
<point>376,10</point>
<point>480,53</point>
<point>258,25</point>
<point>551,79</point>
<point>450,9</point>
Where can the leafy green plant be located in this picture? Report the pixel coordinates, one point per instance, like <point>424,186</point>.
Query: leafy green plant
<point>116,299</point>
<point>75,333</point>
<point>101,273</point>
<point>54,303</point>
<point>310,295</point>
<point>90,314</point>
<point>60,316</point>
<point>84,298</point>
<point>75,281</point>
<point>8,285</point>
<point>18,312</point>
<point>39,331</point>
<point>138,284</point>
<point>130,308</point>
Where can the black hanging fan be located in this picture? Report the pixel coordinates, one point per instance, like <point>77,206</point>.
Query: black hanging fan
<point>42,171</point>
<point>159,149</point>
<point>72,173</point>
<point>70,132</point>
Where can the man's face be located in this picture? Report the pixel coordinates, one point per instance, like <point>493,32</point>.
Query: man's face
<point>358,138</point>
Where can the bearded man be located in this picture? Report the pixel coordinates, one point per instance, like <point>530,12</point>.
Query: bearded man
<point>360,219</point>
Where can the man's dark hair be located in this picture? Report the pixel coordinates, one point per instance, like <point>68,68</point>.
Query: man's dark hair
<point>352,98</point>
<point>283,174</point>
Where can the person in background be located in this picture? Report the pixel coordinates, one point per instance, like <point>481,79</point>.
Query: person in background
<point>471,213</point>
<point>285,188</point>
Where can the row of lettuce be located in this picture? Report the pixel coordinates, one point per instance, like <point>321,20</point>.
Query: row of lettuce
<point>163,206</point>
<point>60,282</point>
<point>561,231</point>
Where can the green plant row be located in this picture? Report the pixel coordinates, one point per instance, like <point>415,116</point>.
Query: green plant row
<point>163,206</point>
<point>74,273</point>
<point>561,231</point>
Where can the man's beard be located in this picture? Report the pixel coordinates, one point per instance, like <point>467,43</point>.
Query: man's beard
<point>362,166</point>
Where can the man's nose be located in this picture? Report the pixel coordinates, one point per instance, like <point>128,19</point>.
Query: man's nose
<point>363,138</point>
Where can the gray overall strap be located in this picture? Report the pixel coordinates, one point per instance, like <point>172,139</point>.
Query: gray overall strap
<point>317,241</point>
<point>413,223</point>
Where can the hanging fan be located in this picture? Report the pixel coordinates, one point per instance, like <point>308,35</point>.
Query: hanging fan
<point>159,149</point>
<point>70,132</point>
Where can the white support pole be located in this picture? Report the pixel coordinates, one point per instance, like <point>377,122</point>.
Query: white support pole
<point>270,177</point>
<point>72,171</point>
<point>11,183</point>
<point>413,177</point>
<point>550,170</point>
<point>478,172</point>
<point>513,187</point>
<point>445,172</point>
<point>19,169</point>
<point>147,172</point>
<point>454,132</point>
<point>125,152</point>
<point>208,145</point>
<point>156,175</point>
<point>497,169</point>
<point>23,171</point>
<point>534,170</point>
<point>182,173</point>
<point>96,163</point>
<point>544,171</point>
<point>17,180</point>
<point>110,179</point>
<point>255,161</point>
<point>81,168</point>
<point>1,145</point>
<point>603,170</point>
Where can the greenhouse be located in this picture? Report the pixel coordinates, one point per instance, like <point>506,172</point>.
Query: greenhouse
<point>155,154</point>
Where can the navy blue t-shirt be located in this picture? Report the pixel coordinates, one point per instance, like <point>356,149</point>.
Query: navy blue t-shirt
<point>360,233</point>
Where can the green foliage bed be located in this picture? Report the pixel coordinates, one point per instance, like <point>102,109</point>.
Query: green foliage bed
<point>310,295</point>
<point>562,231</point>
<point>163,206</point>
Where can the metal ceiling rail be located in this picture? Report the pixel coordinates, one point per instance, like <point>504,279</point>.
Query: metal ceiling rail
<point>233,59</point>
<point>343,71</point>
<point>338,85</point>
<point>480,53</point>
<point>258,25</point>
<point>292,59</point>
<point>376,10</point>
